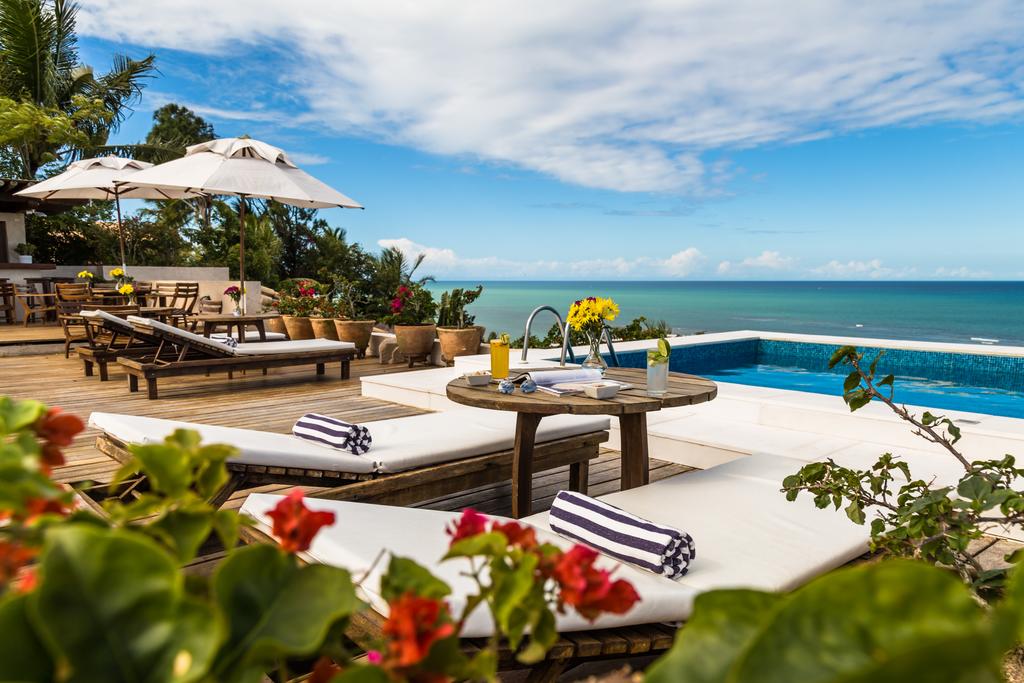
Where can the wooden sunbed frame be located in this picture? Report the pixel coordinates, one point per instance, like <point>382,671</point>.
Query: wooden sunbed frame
<point>571,649</point>
<point>100,354</point>
<point>400,488</point>
<point>215,359</point>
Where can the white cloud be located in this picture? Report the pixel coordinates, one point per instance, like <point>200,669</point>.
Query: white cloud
<point>772,260</point>
<point>873,269</point>
<point>963,272</point>
<point>623,96</point>
<point>444,261</point>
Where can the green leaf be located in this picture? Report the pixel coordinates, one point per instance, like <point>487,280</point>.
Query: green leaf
<point>890,621</point>
<point>113,604</point>
<point>17,415</point>
<point>851,382</point>
<point>406,576</point>
<point>841,355</point>
<point>723,624</point>
<point>362,673</point>
<point>974,487</point>
<point>275,608</point>
<point>23,656</point>
<point>183,531</point>
<point>491,543</point>
<point>167,467</point>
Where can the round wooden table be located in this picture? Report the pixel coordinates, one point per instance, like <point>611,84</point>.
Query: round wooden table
<point>212,321</point>
<point>630,406</point>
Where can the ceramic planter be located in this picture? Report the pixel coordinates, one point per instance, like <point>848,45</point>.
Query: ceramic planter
<point>415,342</point>
<point>323,328</point>
<point>24,258</point>
<point>298,328</point>
<point>458,342</point>
<point>357,332</point>
<point>275,325</point>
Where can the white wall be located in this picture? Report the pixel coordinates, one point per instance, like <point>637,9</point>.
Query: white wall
<point>15,232</point>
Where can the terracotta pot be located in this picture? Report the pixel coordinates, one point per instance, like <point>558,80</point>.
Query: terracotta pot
<point>275,325</point>
<point>458,342</point>
<point>298,328</point>
<point>323,328</point>
<point>415,341</point>
<point>355,331</point>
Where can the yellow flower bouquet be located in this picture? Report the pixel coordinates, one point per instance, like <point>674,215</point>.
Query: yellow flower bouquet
<point>86,275</point>
<point>590,315</point>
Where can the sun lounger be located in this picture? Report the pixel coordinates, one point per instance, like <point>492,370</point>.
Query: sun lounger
<point>413,458</point>
<point>111,337</point>
<point>217,356</point>
<point>747,536</point>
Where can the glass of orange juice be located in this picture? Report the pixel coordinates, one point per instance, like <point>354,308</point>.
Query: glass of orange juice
<point>499,357</point>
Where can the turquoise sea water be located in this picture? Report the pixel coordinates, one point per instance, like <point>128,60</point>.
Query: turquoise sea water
<point>928,311</point>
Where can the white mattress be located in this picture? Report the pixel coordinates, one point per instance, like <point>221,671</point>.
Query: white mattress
<point>247,349</point>
<point>747,536</point>
<point>400,444</point>
<point>251,336</point>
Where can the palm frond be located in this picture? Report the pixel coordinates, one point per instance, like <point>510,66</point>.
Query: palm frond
<point>122,86</point>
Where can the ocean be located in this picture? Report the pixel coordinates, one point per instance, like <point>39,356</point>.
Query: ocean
<point>926,311</point>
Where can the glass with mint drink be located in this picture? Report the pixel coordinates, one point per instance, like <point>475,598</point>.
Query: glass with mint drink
<point>657,369</point>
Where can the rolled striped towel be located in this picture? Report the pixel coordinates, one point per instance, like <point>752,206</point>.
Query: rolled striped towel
<point>335,433</point>
<point>619,534</point>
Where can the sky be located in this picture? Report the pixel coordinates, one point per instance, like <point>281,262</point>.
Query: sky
<point>653,139</point>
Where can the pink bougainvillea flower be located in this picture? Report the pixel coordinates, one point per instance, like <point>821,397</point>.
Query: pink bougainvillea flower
<point>295,525</point>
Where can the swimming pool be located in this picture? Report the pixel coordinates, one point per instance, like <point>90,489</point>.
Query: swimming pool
<point>977,383</point>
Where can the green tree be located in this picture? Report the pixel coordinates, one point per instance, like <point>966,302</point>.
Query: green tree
<point>39,64</point>
<point>262,252</point>
<point>84,234</point>
<point>178,127</point>
<point>297,229</point>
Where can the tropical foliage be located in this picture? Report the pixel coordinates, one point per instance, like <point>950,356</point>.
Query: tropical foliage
<point>912,516</point>
<point>451,310</point>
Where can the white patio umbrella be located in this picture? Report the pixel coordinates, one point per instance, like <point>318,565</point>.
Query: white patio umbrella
<point>245,168</point>
<point>94,179</point>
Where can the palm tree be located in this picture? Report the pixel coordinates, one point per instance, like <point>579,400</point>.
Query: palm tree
<point>39,64</point>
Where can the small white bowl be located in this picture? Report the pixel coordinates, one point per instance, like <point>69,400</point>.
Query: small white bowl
<point>604,390</point>
<point>478,379</point>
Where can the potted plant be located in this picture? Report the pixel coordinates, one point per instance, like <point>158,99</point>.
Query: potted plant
<point>322,319</point>
<point>455,329</point>
<point>353,326</point>
<point>412,311</point>
<point>296,305</point>
<point>24,252</point>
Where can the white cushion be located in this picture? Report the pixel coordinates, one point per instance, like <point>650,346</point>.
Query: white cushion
<point>399,444</point>
<point>183,335</point>
<point>292,346</point>
<point>421,440</point>
<point>747,536</point>
<point>251,336</point>
<point>255,448</point>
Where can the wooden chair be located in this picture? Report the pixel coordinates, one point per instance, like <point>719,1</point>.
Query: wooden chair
<point>34,302</point>
<point>7,298</point>
<point>216,356</point>
<point>111,337</point>
<point>181,296</point>
<point>208,305</point>
<point>72,324</point>
<point>73,291</point>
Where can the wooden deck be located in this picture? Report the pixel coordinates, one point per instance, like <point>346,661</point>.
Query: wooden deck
<point>271,403</point>
<point>34,333</point>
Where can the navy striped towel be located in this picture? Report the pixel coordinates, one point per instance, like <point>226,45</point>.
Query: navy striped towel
<point>616,533</point>
<point>334,433</point>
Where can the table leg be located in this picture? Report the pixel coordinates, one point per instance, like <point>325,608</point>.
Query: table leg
<point>634,461</point>
<point>208,328</point>
<point>261,328</point>
<point>522,464</point>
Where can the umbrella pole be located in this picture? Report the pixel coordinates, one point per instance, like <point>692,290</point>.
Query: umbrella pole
<point>120,230</point>
<point>241,249</point>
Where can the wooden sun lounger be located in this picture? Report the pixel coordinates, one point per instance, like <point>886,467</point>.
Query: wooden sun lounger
<point>400,488</point>
<point>109,341</point>
<point>210,356</point>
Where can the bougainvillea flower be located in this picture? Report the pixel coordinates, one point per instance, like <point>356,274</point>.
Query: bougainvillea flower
<point>51,457</point>
<point>35,507</point>
<point>13,556</point>
<point>59,428</point>
<point>588,589</point>
<point>518,535</point>
<point>295,525</point>
<point>471,523</point>
<point>413,625</point>
<point>324,670</point>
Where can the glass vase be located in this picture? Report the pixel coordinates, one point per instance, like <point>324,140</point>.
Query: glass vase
<point>594,360</point>
<point>657,378</point>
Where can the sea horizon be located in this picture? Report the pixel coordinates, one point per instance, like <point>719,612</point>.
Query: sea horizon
<point>921,310</point>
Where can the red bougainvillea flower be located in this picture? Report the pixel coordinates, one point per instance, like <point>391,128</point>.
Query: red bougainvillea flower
<point>295,525</point>
<point>13,556</point>
<point>518,535</point>
<point>34,507</point>
<point>324,670</point>
<point>403,290</point>
<point>51,457</point>
<point>588,589</point>
<point>59,428</point>
<point>397,305</point>
<point>27,580</point>
<point>471,523</point>
<point>413,625</point>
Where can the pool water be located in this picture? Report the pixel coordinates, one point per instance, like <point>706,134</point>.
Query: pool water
<point>976,383</point>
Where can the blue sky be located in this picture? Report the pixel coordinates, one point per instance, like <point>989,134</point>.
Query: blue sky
<point>638,140</point>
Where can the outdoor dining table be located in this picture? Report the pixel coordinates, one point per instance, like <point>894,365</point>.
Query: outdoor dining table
<point>211,321</point>
<point>630,406</point>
